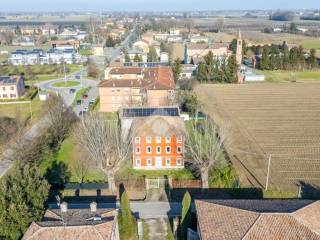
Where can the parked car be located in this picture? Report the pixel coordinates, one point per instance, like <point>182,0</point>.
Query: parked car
<point>79,102</point>
<point>72,90</point>
<point>78,77</point>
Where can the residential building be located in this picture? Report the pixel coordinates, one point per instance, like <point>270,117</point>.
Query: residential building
<point>136,86</point>
<point>164,57</point>
<point>133,52</point>
<point>66,44</point>
<point>39,56</point>
<point>202,49</point>
<point>158,143</point>
<point>11,87</point>
<point>75,224</point>
<point>187,71</point>
<point>199,39</point>
<point>161,36</point>
<point>257,219</point>
<point>178,51</point>
<point>148,36</point>
<point>174,39</point>
<point>141,44</point>
<point>174,31</point>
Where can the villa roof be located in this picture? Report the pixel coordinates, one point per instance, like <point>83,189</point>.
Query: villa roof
<point>258,219</point>
<point>158,126</point>
<point>154,78</point>
<point>74,224</point>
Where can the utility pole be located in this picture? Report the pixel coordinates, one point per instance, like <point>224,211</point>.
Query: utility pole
<point>268,173</point>
<point>65,75</point>
<point>30,110</point>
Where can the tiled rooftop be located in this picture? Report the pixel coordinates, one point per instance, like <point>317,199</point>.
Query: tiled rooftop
<point>258,219</point>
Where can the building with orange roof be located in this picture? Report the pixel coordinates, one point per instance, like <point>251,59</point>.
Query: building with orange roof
<point>258,219</point>
<point>75,224</point>
<point>136,86</point>
<point>158,142</point>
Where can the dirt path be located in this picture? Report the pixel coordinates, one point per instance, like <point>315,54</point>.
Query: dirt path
<point>157,228</point>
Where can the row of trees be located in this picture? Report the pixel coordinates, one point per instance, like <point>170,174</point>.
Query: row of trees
<point>281,58</point>
<point>224,70</point>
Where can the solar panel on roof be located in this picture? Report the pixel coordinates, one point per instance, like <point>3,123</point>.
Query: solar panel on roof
<point>146,112</point>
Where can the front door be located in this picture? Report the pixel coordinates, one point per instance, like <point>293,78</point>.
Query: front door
<point>158,162</point>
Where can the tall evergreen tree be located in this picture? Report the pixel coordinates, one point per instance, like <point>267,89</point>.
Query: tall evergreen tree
<point>127,222</point>
<point>185,215</point>
<point>312,59</point>
<point>176,69</point>
<point>152,55</point>
<point>232,70</point>
<point>137,58</point>
<point>265,60</point>
<point>22,196</point>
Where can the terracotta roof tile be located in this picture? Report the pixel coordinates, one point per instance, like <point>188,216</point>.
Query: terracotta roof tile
<point>158,126</point>
<point>77,225</point>
<point>258,219</point>
<point>158,78</point>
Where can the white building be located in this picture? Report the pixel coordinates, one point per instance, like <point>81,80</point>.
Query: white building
<point>199,39</point>
<point>164,57</point>
<point>174,39</point>
<point>38,56</point>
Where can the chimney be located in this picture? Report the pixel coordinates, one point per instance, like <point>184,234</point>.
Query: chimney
<point>93,207</point>
<point>64,207</point>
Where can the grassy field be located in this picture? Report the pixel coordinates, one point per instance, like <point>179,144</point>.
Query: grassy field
<point>45,47</point>
<point>289,76</point>
<point>265,121</point>
<point>257,37</point>
<point>69,154</point>
<point>22,111</point>
<point>40,72</point>
<point>66,84</point>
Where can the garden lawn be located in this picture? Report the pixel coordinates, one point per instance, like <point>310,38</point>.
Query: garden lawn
<point>66,84</point>
<point>40,72</point>
<point>175,174</point>
<point>70,151</point>
<point>22,111</point>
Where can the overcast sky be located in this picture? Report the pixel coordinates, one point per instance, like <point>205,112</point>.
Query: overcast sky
<point>152,5</point>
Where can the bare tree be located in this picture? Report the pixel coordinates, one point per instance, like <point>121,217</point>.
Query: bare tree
<point>219,24</point>
<point>204,147</point>
<point>102,139</point>
<point>58,118</point>
<point>80,168</point>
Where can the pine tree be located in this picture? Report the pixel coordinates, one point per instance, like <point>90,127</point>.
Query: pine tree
<point>201,74</point>
<point>185,214</point>
<point>265,60</point>
<point>152,55</point>
<point>176,69</point>
<point>22,196</point>
<point>232,69</point>
<point>127,222</point>
<point>126,57</point>
<point>312,59</point>
<point>137,58</point>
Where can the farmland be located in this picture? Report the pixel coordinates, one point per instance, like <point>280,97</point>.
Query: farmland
<point>276,121</point>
